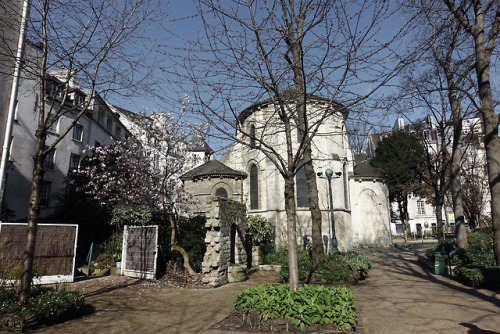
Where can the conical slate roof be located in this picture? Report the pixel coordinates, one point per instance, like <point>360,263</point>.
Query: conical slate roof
<point>213,168</point>
<point>364,169</point>
<point>198,144</point>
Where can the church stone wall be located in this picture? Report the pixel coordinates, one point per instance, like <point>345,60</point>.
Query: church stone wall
<point>370,213</point>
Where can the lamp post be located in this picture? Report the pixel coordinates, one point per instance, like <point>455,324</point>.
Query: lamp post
<point>329,175</point>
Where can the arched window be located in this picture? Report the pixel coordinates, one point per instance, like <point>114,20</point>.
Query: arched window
<point>302,187</point>
<point>252,136</point>
<point>254,187</point>
<point>221,192</point>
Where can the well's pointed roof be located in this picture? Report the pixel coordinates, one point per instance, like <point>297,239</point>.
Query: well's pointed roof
<point>198,144</point>
<point>213,168</point>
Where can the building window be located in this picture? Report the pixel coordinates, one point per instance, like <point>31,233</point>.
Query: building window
<point>48,163</point>
<point>45,194</point>
<point>53,90</point>
<point>221,192</point>
<point>420,208</point>
<point>109,124</point>
<point>254,187</point>
<point>118,132</point>
<point>302,187</point>
<point>54,126</point>
<point>97,144</point>
<point>74,162</point>
<point>100,117</point>
<point>252,136</point>
<point>77,132</point>
<point>79,99</point>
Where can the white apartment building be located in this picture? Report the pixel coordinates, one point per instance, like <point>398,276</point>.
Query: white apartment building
<point>98,126</point>
<point>422,214</point>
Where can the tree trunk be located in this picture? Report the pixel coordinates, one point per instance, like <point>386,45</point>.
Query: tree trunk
<point>33,214</point>
<point>174,247</point>
<point>490,122</point>
<point>456,155</point>
<point>403,216</point>
<point>456,188</point>
<point>291,221</point>
<point>318,254</point>
<point>439,219</point>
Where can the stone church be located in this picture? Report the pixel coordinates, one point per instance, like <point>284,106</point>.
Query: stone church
<point>360,197</point>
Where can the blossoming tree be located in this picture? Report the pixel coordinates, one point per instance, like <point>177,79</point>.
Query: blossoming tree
<point>144,169</point>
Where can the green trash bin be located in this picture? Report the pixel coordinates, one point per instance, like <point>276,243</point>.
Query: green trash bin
<point>439,263</point>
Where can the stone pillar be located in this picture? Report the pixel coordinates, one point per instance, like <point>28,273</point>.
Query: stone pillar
<point>221,215</point>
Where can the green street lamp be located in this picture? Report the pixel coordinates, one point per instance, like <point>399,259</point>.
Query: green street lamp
<point>329,175</point>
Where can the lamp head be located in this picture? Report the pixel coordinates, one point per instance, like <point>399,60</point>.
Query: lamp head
<point>329,172</point>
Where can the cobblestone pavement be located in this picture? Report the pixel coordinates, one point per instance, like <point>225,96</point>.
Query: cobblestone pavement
<point>399,296</point>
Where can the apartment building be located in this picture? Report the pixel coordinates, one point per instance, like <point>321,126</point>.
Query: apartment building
<point>99,125</point>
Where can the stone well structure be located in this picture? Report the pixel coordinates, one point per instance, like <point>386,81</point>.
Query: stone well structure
<point>226,224</point>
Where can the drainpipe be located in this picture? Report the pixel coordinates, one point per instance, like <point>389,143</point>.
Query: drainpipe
<point>13,97</point>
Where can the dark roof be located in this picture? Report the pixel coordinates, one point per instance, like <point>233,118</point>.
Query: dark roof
<point>363,169</point>
<point>198,144</point>
<point>289,95</point>
<point>213,168</point>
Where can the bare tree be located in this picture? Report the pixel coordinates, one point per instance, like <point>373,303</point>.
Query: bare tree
<point>481,20</point>
<point>450,57</point>
<point>286,53</point>
<point>88,42</point>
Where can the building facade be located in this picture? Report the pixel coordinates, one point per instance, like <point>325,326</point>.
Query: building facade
<point>360,202</point>
<point>98,126</point>
<point>421,212</point>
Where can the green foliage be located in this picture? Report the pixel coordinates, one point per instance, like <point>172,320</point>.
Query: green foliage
<point>479,250</point>
<point>258,230</point>
<point>304,263</point>
<point>44,306</point>
<point>399,158</point>
<point>478,276</point>
<point>268,253</point>
<point>192,238</point>
<point>133,214</point>
<point>309,306</point>
<point>347,267</point>
<point>16,272</point>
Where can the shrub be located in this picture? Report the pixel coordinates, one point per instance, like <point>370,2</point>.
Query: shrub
<point>311,305</point>
<point>304,263</point>
<point>258,230</point>
<point>478,276</point>
<point>346,267</point>
<point>479,250</point>
<point>271,255</point>
<point>44,306</point>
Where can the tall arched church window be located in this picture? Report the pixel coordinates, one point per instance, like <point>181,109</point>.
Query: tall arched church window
<point>252,136</point>
<point>254,187</point>
<point>302,187</point>
<point>221,192</point>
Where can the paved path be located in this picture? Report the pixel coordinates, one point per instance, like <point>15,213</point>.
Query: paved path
<point>401,297</point>
<point>398,297</point>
